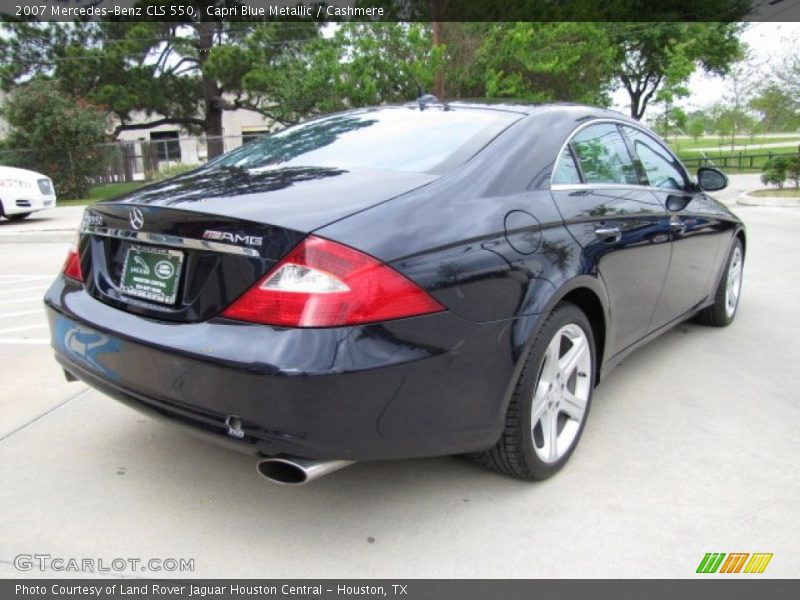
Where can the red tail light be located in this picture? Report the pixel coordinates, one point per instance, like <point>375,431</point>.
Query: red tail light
<point>324,284</point>
<point>72,266</point>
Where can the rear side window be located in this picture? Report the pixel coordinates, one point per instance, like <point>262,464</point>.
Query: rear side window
<point>393,139</point>
<point>603,155</point>
<point>566,169</point>
<point>661,168</point>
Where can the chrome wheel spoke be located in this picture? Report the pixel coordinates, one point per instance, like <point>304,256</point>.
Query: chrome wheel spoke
<point>549,423</point>
<point>573,406</point>
<point>733,284</point>
<point>569,361</point>
<point>563,388</point>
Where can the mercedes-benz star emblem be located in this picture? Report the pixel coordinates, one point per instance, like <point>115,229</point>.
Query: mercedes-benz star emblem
<point>137,218</point>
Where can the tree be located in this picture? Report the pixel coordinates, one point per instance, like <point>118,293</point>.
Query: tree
<point>186,71</point>
<point>787,73</point>
<point>696,127</point>
<point>655,60</point>
<point>547,61</point>
<point>777,108</point>
<point>671,120</point>
<point>59,135</point>
<point>775,171</point>
<point>535,62</point>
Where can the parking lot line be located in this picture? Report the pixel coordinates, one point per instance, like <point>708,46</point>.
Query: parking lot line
<point>24,341</point>
<point>6,278</point>
<point>22,313</point>
<point>30,289</point>
<point>44,414</point>
<point>23,328</point>
<point>21,300</point>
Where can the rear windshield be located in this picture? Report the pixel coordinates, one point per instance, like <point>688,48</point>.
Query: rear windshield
<point>394,139</point>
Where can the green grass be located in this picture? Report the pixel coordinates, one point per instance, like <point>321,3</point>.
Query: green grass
<point>683,144</point>
<point>734,164</point>
<point>103,192</point>
<point>789,149</point>
<point>777,193</point>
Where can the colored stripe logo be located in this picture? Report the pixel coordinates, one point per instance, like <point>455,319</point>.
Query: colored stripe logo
<point>734,562</point>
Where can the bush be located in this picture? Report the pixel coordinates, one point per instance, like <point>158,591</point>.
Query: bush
<point>793,170</point>
<point>55,135</point>
<point>775,171</point>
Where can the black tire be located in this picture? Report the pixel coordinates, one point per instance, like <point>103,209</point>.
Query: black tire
<point>18,216</point>
<point>718,315</point>
<point>514,453</point>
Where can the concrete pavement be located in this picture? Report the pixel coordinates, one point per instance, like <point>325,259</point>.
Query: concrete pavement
<point>55,225</point>
<point>692,446</point>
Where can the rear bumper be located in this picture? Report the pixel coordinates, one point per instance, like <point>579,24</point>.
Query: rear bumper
<point>424,386</point>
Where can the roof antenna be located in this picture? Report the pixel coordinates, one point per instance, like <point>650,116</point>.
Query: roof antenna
<point>424,99</point>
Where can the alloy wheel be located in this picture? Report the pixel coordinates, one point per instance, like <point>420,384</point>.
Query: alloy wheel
<point>734,285</point>
<point>562,393</point>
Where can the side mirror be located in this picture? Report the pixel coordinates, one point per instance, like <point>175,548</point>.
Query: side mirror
<point>710,179</point>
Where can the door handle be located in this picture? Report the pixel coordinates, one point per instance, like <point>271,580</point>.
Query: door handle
<point>608,233</point>
<point>677,225</point>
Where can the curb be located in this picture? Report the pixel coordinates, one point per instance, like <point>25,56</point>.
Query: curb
<point>53,236</point>
<point>748,200</point>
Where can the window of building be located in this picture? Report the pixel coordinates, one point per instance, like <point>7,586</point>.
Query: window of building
<point>168,146</point>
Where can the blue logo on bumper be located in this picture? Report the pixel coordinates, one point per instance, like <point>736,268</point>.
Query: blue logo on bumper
<point>84,346</point>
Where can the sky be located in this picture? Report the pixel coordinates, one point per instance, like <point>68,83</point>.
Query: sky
<point>768,43</point>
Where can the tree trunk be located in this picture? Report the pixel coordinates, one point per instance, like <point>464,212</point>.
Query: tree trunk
<point>436,30</point>
<point>636,107</point>
<point>438,78</point>
<point>212,96</point>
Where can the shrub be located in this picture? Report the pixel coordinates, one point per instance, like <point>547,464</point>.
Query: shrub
<point>775,171</point>
<point>56,135</point>
<point>793,170</point>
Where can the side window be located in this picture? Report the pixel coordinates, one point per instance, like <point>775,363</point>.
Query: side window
<point>603,155</point>
<point>661,168</point>
<point>566,169</point>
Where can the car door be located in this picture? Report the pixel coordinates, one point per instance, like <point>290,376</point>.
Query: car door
<point>621,226</point>
<point>694,231</point>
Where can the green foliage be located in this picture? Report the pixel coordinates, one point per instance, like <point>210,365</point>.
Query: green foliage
<point>672,118</point>
<point>655,60</point>
<point>543,62</point>
<point>56,135</point>
<point>363,64</point>
<point>696,127</point>
<point>778,109</point>
<point>793,170</point>
<point>775,171</point>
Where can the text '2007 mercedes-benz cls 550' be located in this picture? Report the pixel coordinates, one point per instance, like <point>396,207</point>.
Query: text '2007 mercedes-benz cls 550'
<point>397,282</point>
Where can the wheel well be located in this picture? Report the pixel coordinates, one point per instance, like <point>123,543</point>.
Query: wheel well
<point>740,235</point>
<point>590,304</point>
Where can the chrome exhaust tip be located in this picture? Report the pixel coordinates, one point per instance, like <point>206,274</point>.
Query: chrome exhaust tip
<point>291,470</point>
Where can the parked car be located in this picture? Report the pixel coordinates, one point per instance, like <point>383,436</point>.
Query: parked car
<point>23,192</point>
<point>397,282</point>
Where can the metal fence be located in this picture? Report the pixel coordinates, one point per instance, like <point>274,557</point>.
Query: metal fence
<point>136,160</point>
<point>732,162</point>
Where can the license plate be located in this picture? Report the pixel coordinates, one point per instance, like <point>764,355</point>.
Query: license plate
<point>152,273</point>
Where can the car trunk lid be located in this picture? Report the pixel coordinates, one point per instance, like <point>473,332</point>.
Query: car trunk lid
<point>184,249</point>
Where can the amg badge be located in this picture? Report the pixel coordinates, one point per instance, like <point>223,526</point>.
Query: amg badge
<point>234,238</point>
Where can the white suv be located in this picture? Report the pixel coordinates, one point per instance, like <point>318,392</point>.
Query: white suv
<point>23,192</point>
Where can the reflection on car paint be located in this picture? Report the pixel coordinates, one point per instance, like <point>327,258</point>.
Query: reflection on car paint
<point>84,346</point>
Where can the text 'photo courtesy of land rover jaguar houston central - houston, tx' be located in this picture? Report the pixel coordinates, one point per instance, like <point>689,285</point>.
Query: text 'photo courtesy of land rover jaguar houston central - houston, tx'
<point>397,282</point>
